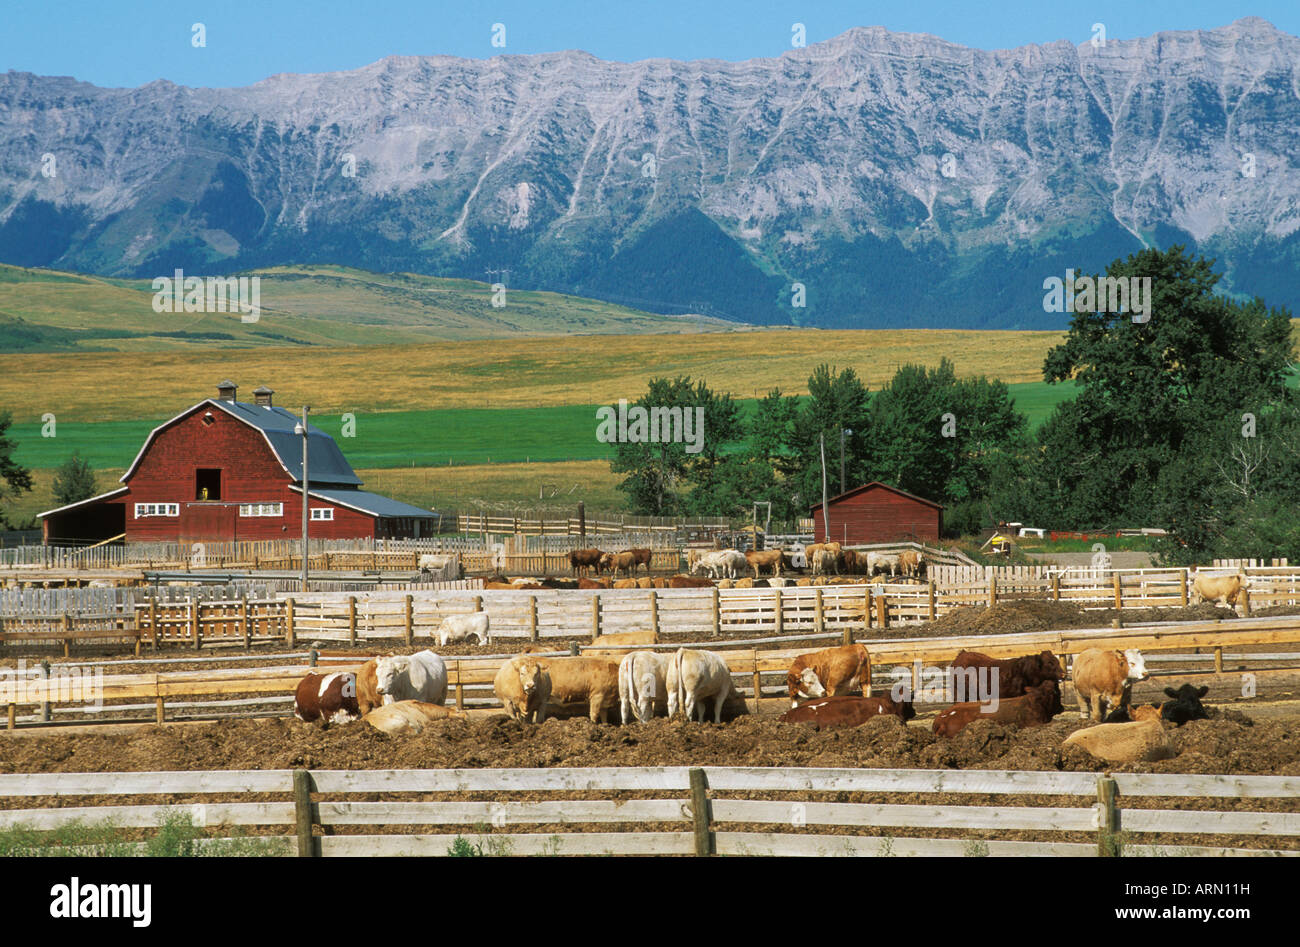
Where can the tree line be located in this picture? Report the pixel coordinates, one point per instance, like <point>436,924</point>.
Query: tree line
<point>1183,419</point>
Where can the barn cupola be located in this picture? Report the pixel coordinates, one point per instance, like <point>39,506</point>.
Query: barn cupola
<point>226,390</point>
<point>263,395</point>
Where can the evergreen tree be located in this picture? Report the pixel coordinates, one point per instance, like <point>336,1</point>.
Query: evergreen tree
<point>73,481</point>
<point>16,476</point>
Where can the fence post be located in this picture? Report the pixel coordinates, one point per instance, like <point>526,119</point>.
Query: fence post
<point>993,590</point>
<point>717,613</point>
<point>352,620</point>
<point>1107,817</point>
<point>1218,660</point>
<point>780,612</point>
<point>819,619</point>
<point>701,815</point>
<point>1056,586</point>
<point>1182,588</point>
<point>153,621</point>
<point>758,683</point>
<point>654,612</point>
<point>1119,593</point>
<point>1244,595</point>
<point>302,812</point>
<point>13,716</point>
<point>410,618</point>
<point>45,692</point>
<point>196,615</point>
<point>882,609</point>
<point>460,688</point>
<point>932,600</point>
<point>595,616</point>
<point>288,622</point>
<point>65,625</point>
<point>532,617</point>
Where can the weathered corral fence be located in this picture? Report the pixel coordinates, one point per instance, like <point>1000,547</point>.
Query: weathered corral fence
<point>687,811</point>
<point>244,690</point>
<point>594,524</point>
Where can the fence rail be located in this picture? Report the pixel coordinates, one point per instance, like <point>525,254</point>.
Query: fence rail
<point>690,816</point>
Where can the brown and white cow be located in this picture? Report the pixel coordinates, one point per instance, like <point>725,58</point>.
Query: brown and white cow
<point>832,713</point>
<point>327,698</point>
<point>1103,680</point>
<point>832,672</point>
<point>1037,707</point>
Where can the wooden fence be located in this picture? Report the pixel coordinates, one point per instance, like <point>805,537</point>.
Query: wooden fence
<point>689,811</point>
<point>760,673</point>
<point>594,525</point>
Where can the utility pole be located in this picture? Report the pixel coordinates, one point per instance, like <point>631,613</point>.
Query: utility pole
<point>306,486</point>
<point>843,485</point>
<point>826,507</point>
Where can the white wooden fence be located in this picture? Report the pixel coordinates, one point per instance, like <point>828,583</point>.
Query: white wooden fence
<point>700,811</point>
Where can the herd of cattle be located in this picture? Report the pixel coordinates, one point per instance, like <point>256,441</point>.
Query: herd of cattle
<point>401,693</point>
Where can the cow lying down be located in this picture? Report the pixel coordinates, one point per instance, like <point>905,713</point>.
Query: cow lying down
<point>1037,707</point>
<point>833,713</point>
<point>1184,705</point>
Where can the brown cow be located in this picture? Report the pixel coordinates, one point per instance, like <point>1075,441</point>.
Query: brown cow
<point>767,559</point>
<point>1216,588</point>
<point>585,583</point>
<point>909,562</point>
<point>689,582</point>
<point>591,681</point>
<point>1014,675</point>
<point>1037,707</point>
<point>624,583</point>
<point>327,698</point>
<point>617,562</point>
<point>832,713</point>
<point>580,560</point>
<point>832,672</point>
<point>641,557</point>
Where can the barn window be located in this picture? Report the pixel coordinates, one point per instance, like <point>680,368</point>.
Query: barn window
<point>322,513</point>
<point>207,483</point>
<point>157,509</point>
<point>261,509</point>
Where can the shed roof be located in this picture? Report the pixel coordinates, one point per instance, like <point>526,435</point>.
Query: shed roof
<point>876,483</point>
<point>372,503</point>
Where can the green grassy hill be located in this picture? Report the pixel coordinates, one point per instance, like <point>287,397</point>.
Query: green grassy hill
<point>46,311</point>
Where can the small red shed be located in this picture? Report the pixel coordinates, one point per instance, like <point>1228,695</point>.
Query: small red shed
<point>226,470</point>
<point>878,513</point>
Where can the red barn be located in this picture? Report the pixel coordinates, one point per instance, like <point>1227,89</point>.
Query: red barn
<point>226,470</point>
<point>878,513</point>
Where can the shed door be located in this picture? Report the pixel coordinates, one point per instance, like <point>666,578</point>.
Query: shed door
<point>208,521</point>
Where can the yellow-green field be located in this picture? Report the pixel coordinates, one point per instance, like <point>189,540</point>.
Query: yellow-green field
<point>501,373</point>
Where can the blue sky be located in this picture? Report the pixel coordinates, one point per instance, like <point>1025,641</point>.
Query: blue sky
<point>131,42</point>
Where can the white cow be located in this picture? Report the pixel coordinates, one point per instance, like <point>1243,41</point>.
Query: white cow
<point>463,628</point>
<point>642,683</point>
<point>429,562</point>
<point>724,562</point>
<point>882,561</point>
<point>693,676</point>
<point>419,676</point>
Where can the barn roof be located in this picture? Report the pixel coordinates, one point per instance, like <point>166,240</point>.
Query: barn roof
<point>95,499</point>
<point>326,462</point>
<point>877,483</point>
<point>372,503</point>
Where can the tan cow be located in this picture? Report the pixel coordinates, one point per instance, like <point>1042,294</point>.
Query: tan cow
<point>771,559</point>
<point>368,696</point>
<point>909,562</point>
<point>1143,741</point>
<point>1106,677</point>
<point>625,583</point>
<point>692,677</point>
<point>833,672</point>
<point>590,681</point>
<point>600,645</point>
<point>524,687</point>
<point>409,716</point>
<point>1216,588</point>
<point>617,562</point>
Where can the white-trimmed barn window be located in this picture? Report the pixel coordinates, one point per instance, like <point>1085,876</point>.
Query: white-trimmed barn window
<point>157,509</point>
<point>322,512</point>
<point>261,509</point>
